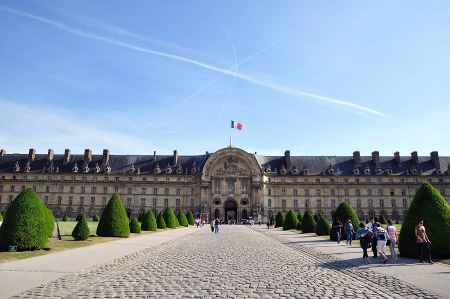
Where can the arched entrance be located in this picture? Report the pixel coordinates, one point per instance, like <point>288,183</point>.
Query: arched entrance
<point>231,210</point>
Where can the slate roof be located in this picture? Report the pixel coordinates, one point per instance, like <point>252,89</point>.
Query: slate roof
<point>145,164</point>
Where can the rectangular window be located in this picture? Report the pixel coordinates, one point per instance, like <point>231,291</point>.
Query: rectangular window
<point>178,191</point>
<point>367,181</point>
<point>62,178</point>
<point>166,202</point>
<point>92,201</point>
<point>403,191</point>
<point>83,189</point>
<point>283,203</point>
<point>177,203</point>
<point>144,180</point>
<point>130,179</point>
<point>269,203</point>
<point>393,203</point>
<point>47,189</point>
<point>392,192</point>
<point>103,201</point>
<point>442,191</point>
<point>402,181</point>
<point>10,199</point>
<point>283,181</point>
<point>155,180</point>
<point>381,203</point>
<point>295,192</point>
<point>358,203</point>
<point>117,179</point>
<point>72,189</point>
<point>333,204</point>
<point>358,192</point>
<point>370,203</point>
<point>116,189</point>
<point>155,190</point>
<point>331,180</point>
<point>105,190</point>
<point>405,203</point>
<point>305,181</point>
<point>70,200</point>
<point>391,181</point>
<point>332,192</point>
<point>35,178</point>
<point>294,181</point>
<point>128,202</point>
<point>346,193</point>
<point>12,188</point>
<point>306,192</point>
<point>142,202</point>
<point>1,188</point>
<point>380,192</point>
<point>347,201</point>
<point>166,191</point>
<point>283,191</point>
<point>167,180</point>
<point>216,187</point>
<point>59,200</point>
<point>357,181</point>
<point>81,201</point>
<point>178,180</point>
<point>49,178</point>
<point>307,203</point>
<point>46,200</point>
<point>230,187</point>
<point>144,191</point>
<point>317,181</point>
<point>295,204</point>
<point>192,191</point>
<point>94,189</point>
<point>130,190</point>
<point>244,187</point>
<point>23,188</point>
<point>192,202</point>
<point>269,180</point>
<point>94,179</point>
<point>61,189</point>
<point>318,192</point>
<point>379,181</point>
<point>269,191</point>
<point>319,203</point>
<point>346,181</point>
<point>155,202</point>
<point>369,192</point>
<point>84,179</point>
<point>106,179</point>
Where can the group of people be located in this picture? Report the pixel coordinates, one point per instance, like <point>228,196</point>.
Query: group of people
<point>215,225</point>
<point>374,236</point>
<point>199,222</point>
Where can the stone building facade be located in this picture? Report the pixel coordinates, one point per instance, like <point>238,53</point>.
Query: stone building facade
<point>229,184</point>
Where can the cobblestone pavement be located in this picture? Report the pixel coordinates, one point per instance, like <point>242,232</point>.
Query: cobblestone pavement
<point>237,263</point>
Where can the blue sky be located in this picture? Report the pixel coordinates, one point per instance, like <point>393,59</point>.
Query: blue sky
<point>314,77</point>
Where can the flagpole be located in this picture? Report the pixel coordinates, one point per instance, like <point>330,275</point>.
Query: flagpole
<point>231,144</point>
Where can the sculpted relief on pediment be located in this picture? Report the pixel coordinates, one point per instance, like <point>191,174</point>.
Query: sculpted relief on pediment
<point>230,166</point>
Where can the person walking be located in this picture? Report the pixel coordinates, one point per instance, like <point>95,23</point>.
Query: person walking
<point>365,236</point>
<point>380,234</point>
<point>212,226</point>
<point>392,240</point>
<point>196,222</point>
<point>268,224</point>
<point>348,230</point>
<point>373,226</point>
<point>216,226</point>
<point>422,241</point>
<point>337,227</point>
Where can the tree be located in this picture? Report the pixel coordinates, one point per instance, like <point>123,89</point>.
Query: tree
<point>300,217</point>
<point>299,225</point>
<point>114,220</point>
<point>272,220</point>
<point>160,221</point>
<point>50,222</point>
<point>141,216</point>
<point>316,217</point>
<point>182,219</point>
<point>169,218</point>
<point>1,217</point>
<point>344,212</point>
<point>65,218</point>
<point>432,208</point>
<point>279,220</point>
<point>81,230</point>
<point>308,223</point>
<point>25,224</point>
<point>135,226</point>
<point>190,218</point>
<point>323,226</point>
<point>95,218</point>
<point>81,215</point>
<point>382,219</point>
<point>178,222</point>
<point>149,222</point>
<point>291,221</point>
<point>3,213</point>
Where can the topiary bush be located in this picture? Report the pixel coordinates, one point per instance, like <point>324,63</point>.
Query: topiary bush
<point>25,224</point>
<point>65,218</point>
<point>1,217</point>
<point>50,222</point>
<point>114,220</point>
<point>169,218</point>
<point>291,221</point>
<point>429,205</point>
<point>141,216</point>
<point>3,213</point>
<point>323,226</point>
<point>95,218</point>
<point>149,222</point>
<point>182,219</point>
<point>80,216</point>
<point>316,217</point>
<point>279,220</point>
<point>308,223</point>
<point>382,219</point>
<point>81,230</point>
<point>190,218</point>
<point>135,226</point>
<point>344,212</point>
<point>178,222</point>
<point>300,217</point>
<point>299,225</point>
<point>160,223</point>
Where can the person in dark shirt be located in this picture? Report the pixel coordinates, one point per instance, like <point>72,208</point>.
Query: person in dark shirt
<point>337,227</point>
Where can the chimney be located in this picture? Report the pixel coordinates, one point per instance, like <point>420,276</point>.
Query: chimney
<point>397,158</point>
<point>105,157</point>
<point>175,157</point>
<point>50,155</point>
<point>2,152</point>
<point>31,155</point>
<point>154,155</point>
<point>356,157</point>
<point>435,159</point>
<point>415,158</point>
<point>287,158</point>
<point>376,158</point>
<point>207,152</point>
<point>87,156</point>
<point>66,156</point>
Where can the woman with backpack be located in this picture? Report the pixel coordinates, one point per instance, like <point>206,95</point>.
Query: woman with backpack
<point>380,233</point>
<point>392,240</point>
<point>365,238</point>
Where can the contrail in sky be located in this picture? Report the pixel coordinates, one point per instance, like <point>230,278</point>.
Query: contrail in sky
<point>265,83</point>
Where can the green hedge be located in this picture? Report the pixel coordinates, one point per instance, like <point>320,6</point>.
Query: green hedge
<point>160,223</point>
<point>135,226</point>
<point>382,219</point>
<point>323,226</point>
<point>308,223</point>
<point>96,218</point>
<point>430,206</point>
<point>291,221</point>
<point>344,212</point>
<point>141,216</point>
<point>300,217</point>
<point>279,220</point>
<point>1,217</point>
<point>149,222</point>
<point>50,222</point>
<point>169,218</point>
<point>65,218</point>
<point>299,225</point>
<point>316,217</point>
<point>80,216</point>
<point>25,224</point>
<point>190,218</point>
<point>81,230</point>
<point>114,220</point>
<point>182,219</point>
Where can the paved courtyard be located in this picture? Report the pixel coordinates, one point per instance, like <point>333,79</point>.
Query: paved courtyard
<point>239,262</point>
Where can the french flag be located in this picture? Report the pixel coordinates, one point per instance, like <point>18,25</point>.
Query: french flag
<point>236,125</point>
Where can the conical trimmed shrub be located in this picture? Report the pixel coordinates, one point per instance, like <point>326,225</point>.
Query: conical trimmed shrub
<point>149,222</point>
<point>428,205</point>
<point>95,218</point>
<point>65,218</point>
<point>25,224</point>
<point>382,219</point>
<point>308,223</point>
<point>323,226</point>
<point>135,226</point>
<point>300,217</point>
<point>3,213</point>
<point>316,217</point>
<point>272,220</point>
<point>291,221</point>
<point>79,216</point>
<point>344,212</point>
<point>169,218</point>
<point>141,216</point>
<point>50,222</point>
<point>114,220</point>
<point>279,220</point>
<point>182,219</point>
<point>190,218</point>
<point>299,225</point>
<point>178,222</point>
<point>160,223</point>
<point>81,230</point>
<point>1,217</point>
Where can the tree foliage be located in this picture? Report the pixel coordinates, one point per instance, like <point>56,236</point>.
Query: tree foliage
<point>291,221</point>
<point>160,223</point>
<point>279,220</point>
<point>149,222</point>
<point>323,226</point>
<point>308,223</point>
<point>65,218</point>
<point>169,218</point>
<point>95,218</point>
<point>81,230</point>
<point>135,226</point>
<point>382,219</point>
<point>50,222</point>
<point>344,212</point>
<point>190,218</point>
<point>182,219</point>
<point>114,220</point>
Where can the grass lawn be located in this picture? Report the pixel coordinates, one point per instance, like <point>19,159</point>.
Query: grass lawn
<point>66,242</point>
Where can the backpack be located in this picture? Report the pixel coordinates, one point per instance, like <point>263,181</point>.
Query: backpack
<point>368,238</point>
<point>382,235</point>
